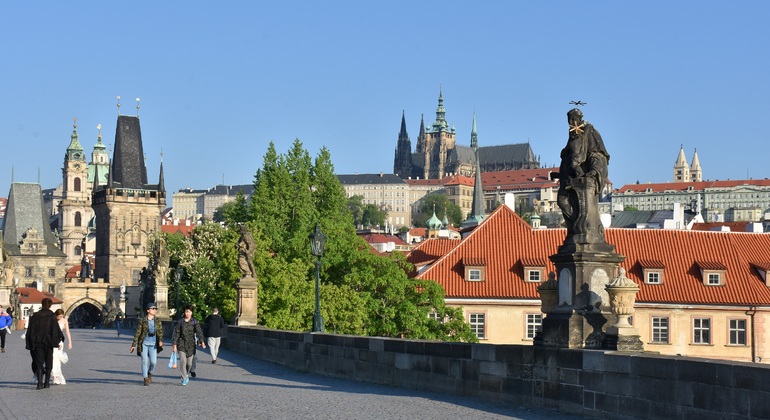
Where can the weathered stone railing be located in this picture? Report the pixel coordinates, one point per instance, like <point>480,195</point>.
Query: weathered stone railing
<point>585,382</point>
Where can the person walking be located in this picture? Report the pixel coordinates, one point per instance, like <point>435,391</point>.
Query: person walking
<point>43,335</point>
<point>118,321</point>
<point>5,327</point>
<point>184,340</point>
<point>215,325</point>
<point>148,341</point>
<point>58,377</point>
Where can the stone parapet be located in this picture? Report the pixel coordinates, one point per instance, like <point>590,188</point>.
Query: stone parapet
<point>594,383</point>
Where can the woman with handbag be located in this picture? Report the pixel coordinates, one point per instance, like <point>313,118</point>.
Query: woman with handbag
<point>149,339</point>
<point>59,356</point>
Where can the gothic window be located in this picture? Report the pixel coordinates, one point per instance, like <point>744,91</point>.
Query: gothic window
<point>78,218</point>
<point>77,185</point>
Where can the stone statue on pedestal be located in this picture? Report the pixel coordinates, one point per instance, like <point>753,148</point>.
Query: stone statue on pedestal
<point>582,176</point>
<point>247,286</point>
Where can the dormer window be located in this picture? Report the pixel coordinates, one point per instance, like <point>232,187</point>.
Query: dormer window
<point>712,273</point>
<point>652,270</point>
<point>475,269</point>
<point>534,269</point>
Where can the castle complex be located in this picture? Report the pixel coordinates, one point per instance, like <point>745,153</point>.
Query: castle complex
<point>437,155</point>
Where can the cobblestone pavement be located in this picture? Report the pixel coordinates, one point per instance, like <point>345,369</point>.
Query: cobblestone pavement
<point>104,381</point>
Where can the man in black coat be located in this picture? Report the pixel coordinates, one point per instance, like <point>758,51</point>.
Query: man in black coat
<point>43,335</point>
<point>215,327</point>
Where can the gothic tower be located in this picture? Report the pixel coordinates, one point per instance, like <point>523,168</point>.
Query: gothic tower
<point>696,173</point>
<point>681,168</point>
<point>402,163</point>
<point>127,208</point>
<point>440,140</point>
<point>75,205</point>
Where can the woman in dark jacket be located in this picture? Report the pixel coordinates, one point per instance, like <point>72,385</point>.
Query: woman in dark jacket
<point>148,341</point>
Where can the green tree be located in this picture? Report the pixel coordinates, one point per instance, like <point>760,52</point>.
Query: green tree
<point>361,292</point>
<point>442,205</point>
<point>373,216</point>
<point>206,261</point>
<point>233,211</point>
<point>356,207</point>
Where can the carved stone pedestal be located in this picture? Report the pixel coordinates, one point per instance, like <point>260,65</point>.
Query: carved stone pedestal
<point>622,335</point>
<point>161,299</point>
<point>581,315</point>
<point>247,302</point>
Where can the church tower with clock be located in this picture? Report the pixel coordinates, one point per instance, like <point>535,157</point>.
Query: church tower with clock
<point>75,205</point>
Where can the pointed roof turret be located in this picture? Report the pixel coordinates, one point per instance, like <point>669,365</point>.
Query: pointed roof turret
<point>161,179</point>
<point>477,208</point>
<point>75,150</point>
<point>445,221</point>
<point>695,162</point>
<point>440,124</point>
<point>681,159</point>
<point>696,173</point>
<point>128,169</point>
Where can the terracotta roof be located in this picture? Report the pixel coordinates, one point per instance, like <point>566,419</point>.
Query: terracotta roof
<point>459,180</point>
<point>505,241</point>
<point>431,249</point>
<point>733,226</point>
<point>379,238</point>
<point>183,229</point>
<point>697,186</point>
<point>32,295</point>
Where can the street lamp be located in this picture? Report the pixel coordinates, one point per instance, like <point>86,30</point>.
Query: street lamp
<point>317,241</point>
<point>177,277</point>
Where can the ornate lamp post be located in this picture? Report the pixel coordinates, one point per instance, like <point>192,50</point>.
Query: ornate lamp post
<point>317,241</point>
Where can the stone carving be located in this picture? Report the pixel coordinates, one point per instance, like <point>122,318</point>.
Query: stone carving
<point>162,260</point>
<point>582,176</point>
<point>245,247</point>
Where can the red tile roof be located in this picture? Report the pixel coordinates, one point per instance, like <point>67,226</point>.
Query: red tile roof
<point>697,186</point>
<point>508,243</point>
<point>185,230</point>
<point>431,249</point>
<point>733,226</point>
<point>32,295</point>
<point>379,238</point>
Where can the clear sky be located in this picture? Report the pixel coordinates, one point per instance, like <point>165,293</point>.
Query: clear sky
<point>219,80</point>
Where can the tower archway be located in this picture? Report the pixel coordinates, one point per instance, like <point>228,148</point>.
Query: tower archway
<point>85,313</point>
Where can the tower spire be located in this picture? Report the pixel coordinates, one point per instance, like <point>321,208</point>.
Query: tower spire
<point>477,208</point>
<point>440,124</point>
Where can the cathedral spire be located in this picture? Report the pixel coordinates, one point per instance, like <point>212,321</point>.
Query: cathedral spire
<point>440,124</point>
<point>402,162</point>
<point>474,136</point>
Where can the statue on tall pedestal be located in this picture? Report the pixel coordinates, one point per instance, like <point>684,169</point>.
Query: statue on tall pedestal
<point>247,286</point>
<point>582,176</point>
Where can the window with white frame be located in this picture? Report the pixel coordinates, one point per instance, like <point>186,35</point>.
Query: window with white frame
<point>701,331</point>
<point>738,332</point>
<point>653,277</point>
<point>474,274</point>
<point>660,329</point>
<point>533,276</point>
<point>713,279</point>
<point>534,324</point>
<point>478,325</point>
<point>436,316</point>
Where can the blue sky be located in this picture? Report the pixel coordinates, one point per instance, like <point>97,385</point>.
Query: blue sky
<point>219,80</point>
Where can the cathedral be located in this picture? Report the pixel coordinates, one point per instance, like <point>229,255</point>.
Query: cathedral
<point>437,155</point>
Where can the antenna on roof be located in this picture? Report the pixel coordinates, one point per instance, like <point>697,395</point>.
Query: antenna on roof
<point>161,155</point>
<point>118,105</point>
<point>137,107</point>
